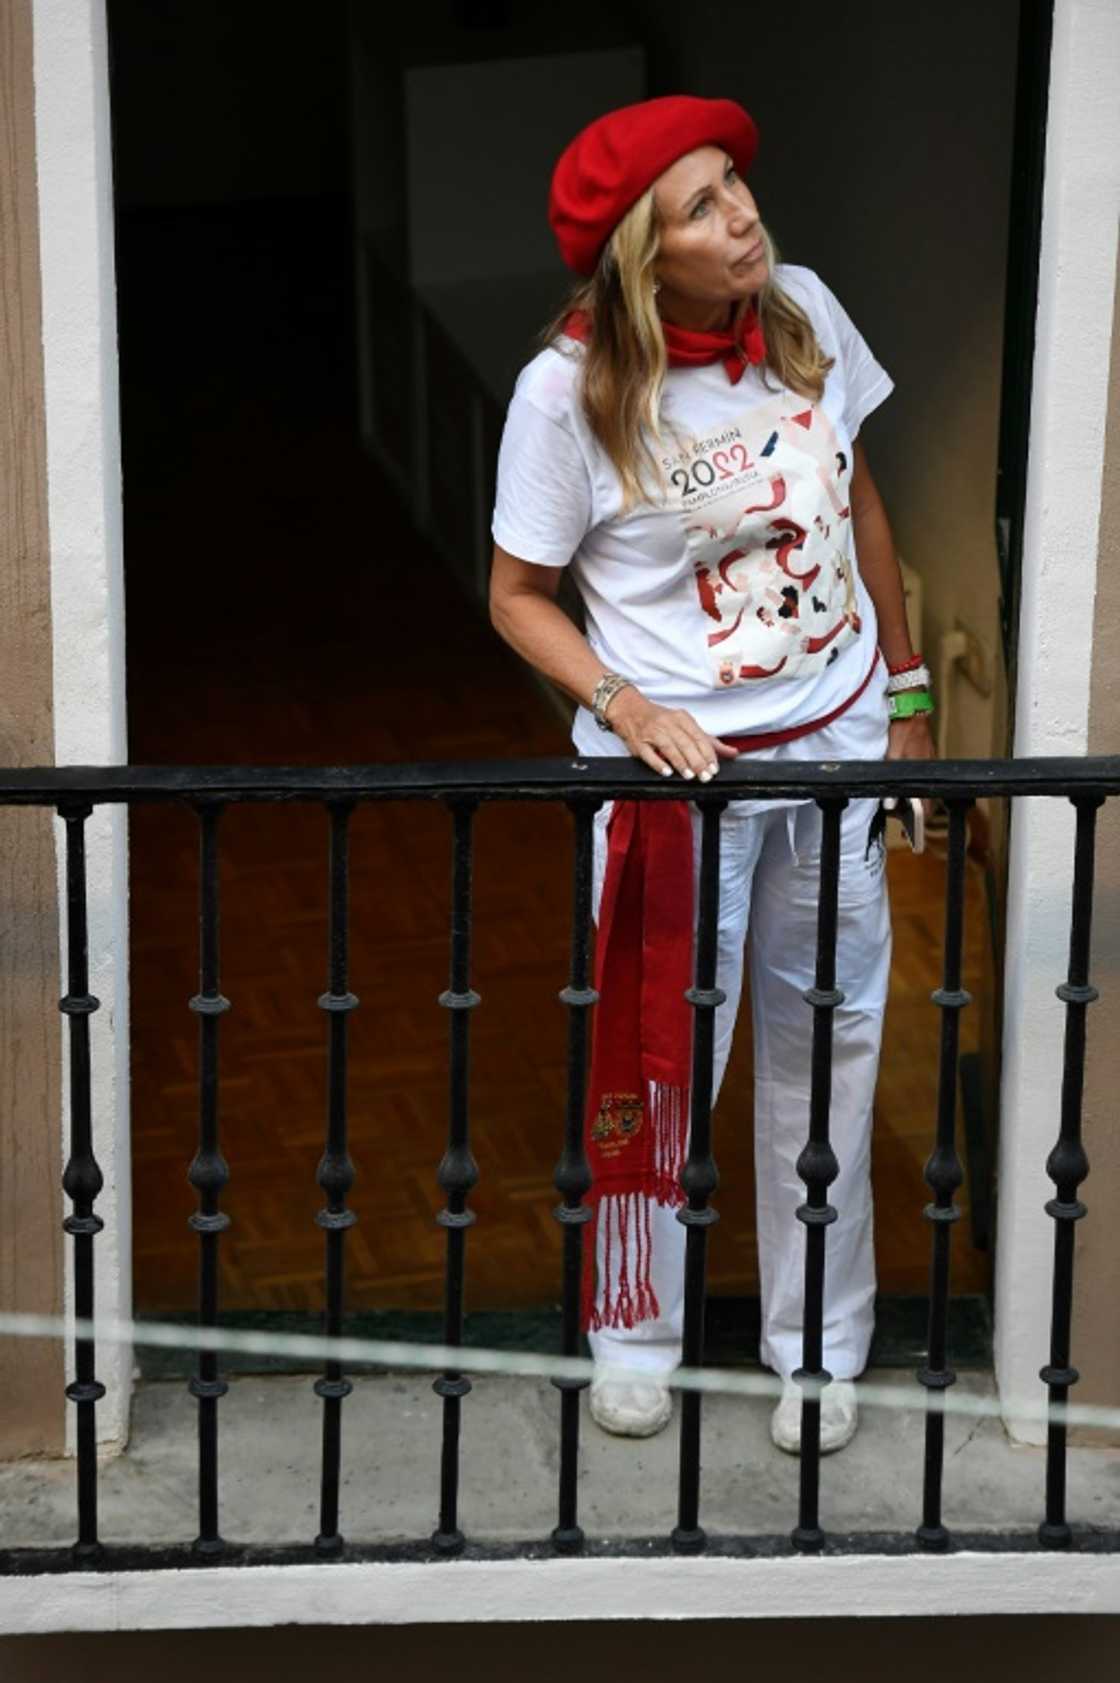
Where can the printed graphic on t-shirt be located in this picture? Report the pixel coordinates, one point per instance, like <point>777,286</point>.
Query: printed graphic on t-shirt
<point>764,502</point>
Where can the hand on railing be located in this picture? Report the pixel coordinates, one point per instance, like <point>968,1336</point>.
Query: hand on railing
<point>666,738</point>
<point>912,739</point>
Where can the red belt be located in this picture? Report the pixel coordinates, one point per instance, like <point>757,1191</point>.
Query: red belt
<point>771,738</point>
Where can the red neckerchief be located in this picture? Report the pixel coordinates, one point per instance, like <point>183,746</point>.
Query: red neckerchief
<point>691,349</point>
<point>636,1121</point>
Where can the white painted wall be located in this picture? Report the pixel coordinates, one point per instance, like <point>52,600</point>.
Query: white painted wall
<point>1077,277</point>
<point>87,586</point>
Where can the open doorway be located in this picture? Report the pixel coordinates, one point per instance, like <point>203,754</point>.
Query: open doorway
<point>303,495</point>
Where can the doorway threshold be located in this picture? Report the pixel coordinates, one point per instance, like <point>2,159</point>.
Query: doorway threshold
<point>732,1334</point>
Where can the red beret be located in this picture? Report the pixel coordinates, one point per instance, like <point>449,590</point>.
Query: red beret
<point>610,163</point>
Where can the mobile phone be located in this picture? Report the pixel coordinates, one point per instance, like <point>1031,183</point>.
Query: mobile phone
<point>910,812</point>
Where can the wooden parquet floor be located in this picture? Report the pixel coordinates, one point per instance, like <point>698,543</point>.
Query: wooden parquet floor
<point>282,610</point>
<point>337,656</point>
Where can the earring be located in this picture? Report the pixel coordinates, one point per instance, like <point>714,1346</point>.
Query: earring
<point>657,286</point>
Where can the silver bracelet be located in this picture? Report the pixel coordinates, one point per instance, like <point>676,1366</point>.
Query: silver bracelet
<point>918,678</point>
<point>605,691</point>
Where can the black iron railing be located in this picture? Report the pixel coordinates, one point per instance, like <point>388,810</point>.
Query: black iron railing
<point>582,786</point>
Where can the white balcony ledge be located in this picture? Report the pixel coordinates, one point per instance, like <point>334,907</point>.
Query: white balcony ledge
<point>391,1432</point>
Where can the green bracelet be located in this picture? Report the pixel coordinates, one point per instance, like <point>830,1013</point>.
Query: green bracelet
<point>906,703</point>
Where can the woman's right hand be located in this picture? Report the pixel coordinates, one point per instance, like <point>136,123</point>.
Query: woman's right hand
<point>666,738</point>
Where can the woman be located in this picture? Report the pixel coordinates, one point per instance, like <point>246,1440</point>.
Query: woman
<point>685,440</point>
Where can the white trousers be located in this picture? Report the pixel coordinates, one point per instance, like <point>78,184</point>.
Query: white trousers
<point>769,868</point>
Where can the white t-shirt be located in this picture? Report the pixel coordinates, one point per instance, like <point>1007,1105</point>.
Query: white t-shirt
<point>737,594</point>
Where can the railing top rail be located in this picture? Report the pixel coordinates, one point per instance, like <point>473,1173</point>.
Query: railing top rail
<point>558,779</point>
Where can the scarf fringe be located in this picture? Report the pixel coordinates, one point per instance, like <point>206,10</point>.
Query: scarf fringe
<point>622,1301</point>
<point>668,1112</point>
<point>625,1296</point>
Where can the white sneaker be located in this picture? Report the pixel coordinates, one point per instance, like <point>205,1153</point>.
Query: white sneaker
<point>631,1408</point>
<point>839,1416</point>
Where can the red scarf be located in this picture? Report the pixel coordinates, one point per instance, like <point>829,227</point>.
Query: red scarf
<point>636,1127</point>
<point>692,349</point>
<point>636,1122</point>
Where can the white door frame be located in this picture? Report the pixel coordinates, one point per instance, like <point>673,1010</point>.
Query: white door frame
<point>1076,278</point>
<point>1076,283</point>
<point>72,143</point>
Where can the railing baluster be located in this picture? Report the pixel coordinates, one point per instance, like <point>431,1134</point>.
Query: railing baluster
<point>1067,1166</point>
<point>208,1174</point>
<point>82,1179</point>
<point>458,1172</point>
<point>944,1175</point>
<point>700,1178</point>
<point>335,1173</point>
<point>573,1175</point>
<point>818,1168</point>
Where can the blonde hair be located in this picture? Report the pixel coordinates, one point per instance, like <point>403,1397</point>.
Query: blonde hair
<point>625,361</point>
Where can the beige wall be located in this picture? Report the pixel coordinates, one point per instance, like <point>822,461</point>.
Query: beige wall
<point>1096,1346</point>
<point>31,1373</point>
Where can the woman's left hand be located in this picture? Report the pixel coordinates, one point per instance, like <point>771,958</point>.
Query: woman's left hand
<point>912,739</point>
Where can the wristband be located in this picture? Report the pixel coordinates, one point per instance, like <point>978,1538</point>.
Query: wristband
<point>917,678</point>
<point>909,702</point>
<point>605,691</point>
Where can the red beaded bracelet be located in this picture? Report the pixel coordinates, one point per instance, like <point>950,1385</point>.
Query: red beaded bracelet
<point>910,665</point>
